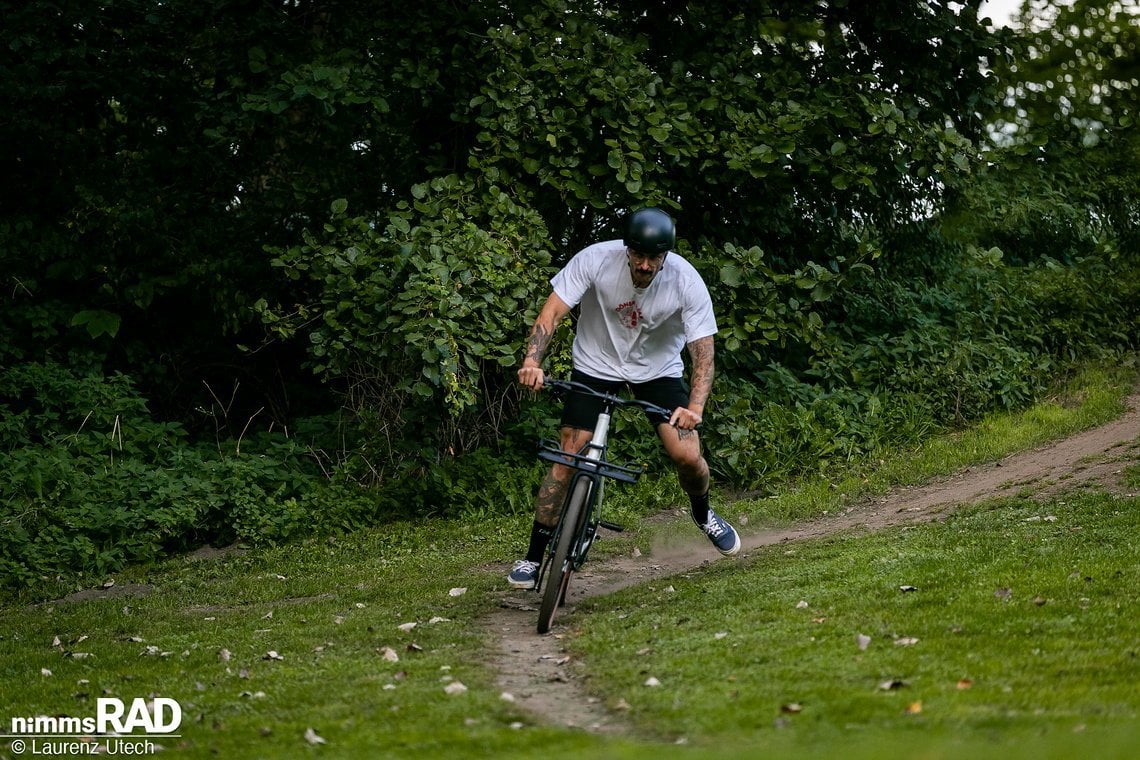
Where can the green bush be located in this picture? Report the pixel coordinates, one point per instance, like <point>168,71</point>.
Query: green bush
<point>475,484</point>
<point>939,334</point>
<point>93,482</point>
<point>775,427</point>
<point>420,313</point>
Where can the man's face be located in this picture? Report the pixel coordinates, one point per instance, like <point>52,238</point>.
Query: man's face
<point>643,267</point>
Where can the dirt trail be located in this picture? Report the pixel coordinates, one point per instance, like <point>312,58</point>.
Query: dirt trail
<point>542,679</point>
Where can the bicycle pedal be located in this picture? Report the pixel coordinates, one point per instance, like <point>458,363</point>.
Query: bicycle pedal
<point>611,526</point>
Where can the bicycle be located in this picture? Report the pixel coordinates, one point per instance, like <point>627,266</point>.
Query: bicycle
<point>581,514</point>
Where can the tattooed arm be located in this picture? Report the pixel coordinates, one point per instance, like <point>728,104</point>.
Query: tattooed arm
<point>701,353</point>
<point>553,312</point>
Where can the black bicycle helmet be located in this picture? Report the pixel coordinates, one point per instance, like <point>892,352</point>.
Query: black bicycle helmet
<point>649,230</point>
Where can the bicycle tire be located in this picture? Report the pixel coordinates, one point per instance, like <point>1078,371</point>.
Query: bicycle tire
<point>559,572</point>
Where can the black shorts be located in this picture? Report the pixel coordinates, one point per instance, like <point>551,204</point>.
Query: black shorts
<point>581,410</point>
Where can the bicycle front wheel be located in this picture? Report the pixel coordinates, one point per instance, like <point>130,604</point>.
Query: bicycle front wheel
<point>560,569</point>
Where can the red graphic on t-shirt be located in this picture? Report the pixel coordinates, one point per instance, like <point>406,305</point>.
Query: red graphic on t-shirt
<point>629,313</point>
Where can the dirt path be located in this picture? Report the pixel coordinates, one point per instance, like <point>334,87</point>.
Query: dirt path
<point>543,680</point>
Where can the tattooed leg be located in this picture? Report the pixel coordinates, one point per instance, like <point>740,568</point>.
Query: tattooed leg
<point>552,492</point>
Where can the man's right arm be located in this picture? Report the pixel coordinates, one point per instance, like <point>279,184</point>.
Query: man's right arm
<point>553,312</point>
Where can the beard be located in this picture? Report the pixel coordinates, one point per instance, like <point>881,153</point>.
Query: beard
<point>641,279</point>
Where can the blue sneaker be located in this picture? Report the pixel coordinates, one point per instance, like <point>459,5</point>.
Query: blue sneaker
<point>524,574</point>
<point>722,535</point>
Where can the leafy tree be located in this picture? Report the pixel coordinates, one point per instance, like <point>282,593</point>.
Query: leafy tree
<point>781,138</point>
<point>389,185</point>
<point>160,147</point>
<point>1063,181</point>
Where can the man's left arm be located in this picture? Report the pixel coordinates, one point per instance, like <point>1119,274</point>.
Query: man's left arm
<point>701,353</point>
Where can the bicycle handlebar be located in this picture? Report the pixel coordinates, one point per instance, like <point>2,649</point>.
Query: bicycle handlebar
<point>572,386</point>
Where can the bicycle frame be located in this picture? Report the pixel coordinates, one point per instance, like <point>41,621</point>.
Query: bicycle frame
<point>581,510</point>
<point>591,471</point>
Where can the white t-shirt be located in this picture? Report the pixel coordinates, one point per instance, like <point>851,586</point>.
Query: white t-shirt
<point>627,333</point>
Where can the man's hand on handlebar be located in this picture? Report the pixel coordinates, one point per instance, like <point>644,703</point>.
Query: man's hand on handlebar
<point>531,377</point>
<point>685,419</point>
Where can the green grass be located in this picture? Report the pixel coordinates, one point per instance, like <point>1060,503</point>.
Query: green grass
<point>1052,666</point>
<point>1023,623</point>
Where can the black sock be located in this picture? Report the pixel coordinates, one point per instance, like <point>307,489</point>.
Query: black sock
<point>539,539</point>
<point>700,508</point>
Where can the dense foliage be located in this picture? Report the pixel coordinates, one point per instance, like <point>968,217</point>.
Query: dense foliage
<point>92,480</point>
<point>259,255</point>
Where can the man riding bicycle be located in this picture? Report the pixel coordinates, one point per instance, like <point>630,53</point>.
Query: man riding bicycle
<point>640,305</point>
